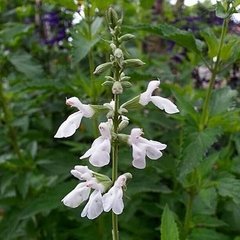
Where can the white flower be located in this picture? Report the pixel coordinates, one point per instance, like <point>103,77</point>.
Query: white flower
<point>99,153</point>
<point>94,207</point>
<point>72,123</point>
<point>113,199</point>
<point>82,172</point>
<point>142,147</point>
<point>162,103</point>
<point>78,195</point>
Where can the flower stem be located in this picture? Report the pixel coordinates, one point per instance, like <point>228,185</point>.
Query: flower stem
<point>215,70</point>
<point>115,233</point>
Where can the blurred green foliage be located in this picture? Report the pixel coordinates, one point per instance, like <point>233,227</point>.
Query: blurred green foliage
<point>45,58</point>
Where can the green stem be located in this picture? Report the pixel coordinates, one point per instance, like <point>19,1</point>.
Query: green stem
<point>8,119</point>
<point>188,215</point>
<point>215,70</point>
<point>115,233</point>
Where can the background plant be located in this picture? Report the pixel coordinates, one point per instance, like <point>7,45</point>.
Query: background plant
<point>37,76</point>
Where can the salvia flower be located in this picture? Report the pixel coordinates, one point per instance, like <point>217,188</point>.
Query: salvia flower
<point>72,123</point>
<point>82,191</point>
<point>142,147</point>
<point>99,153</point>
<point>162,103</point>
<point>113,199</point>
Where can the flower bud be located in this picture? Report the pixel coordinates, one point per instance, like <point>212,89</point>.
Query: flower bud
<point>126,84</point>
<point>102,67</point>
<point>107,83</point>
<point>133,63</point>
<point>112,17</point>
<point>117,88</point>
<point>123,137</point>
<point>126,37</point>
<point>123,124</point>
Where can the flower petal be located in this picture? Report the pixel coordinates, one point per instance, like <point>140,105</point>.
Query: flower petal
<point>117,206</point>
<point>139,154</point>
<point>145,97</point>
<point>78,195</point>
<point>95,144</point>
<point>164,104</point>
<point>158,145</point>
<point>153,153</point>
<point>86,109</point>
<point>94,207</point>
<point>69,126</point>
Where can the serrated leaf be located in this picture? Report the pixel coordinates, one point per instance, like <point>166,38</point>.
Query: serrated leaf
<point>199,143</point>
<point>222,100</point>
<point>181,37</point>
<point>25,64</point>
<point>169,228</point>
<point>229,187</point>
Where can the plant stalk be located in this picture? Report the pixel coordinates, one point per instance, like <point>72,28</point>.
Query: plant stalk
<point>8,119</point>
<point>215,70</point>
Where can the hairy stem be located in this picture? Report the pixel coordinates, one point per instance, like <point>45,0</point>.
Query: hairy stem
<point>188,215</point>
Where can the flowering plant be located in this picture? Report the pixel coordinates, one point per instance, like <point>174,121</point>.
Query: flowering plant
<point>107,194</point>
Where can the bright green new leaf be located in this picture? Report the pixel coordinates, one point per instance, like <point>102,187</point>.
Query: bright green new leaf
<point>212,42</point>
<point>169,228</point>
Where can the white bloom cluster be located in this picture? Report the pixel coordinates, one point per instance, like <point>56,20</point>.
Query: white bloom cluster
<point>93,188</point>
<point>97,201</point>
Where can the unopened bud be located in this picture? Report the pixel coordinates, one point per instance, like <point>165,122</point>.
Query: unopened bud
<point>102,67</point>
<point>112,17</point>
<point>123,137</point>
<point>107,83</point>
<point>133,63</point>
<point>123,124</point>
<point>126,37</point>
<point>117,88</point>
<point>126,84</point>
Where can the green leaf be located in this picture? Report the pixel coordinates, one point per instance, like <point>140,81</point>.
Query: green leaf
<point>222,100</point>
<point>96,25</point>
<point>229,187</point>
<point>221,11</point>
<point>208,221</point>
<point>181,37</point>
<point>11,30</point>
<point>194,153</point>
<point>207,234</point>
<point>205,202</point>
<point>25,64</point>
<point>169,228</point>
<point>81,46</point>
<point>212,42</point>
